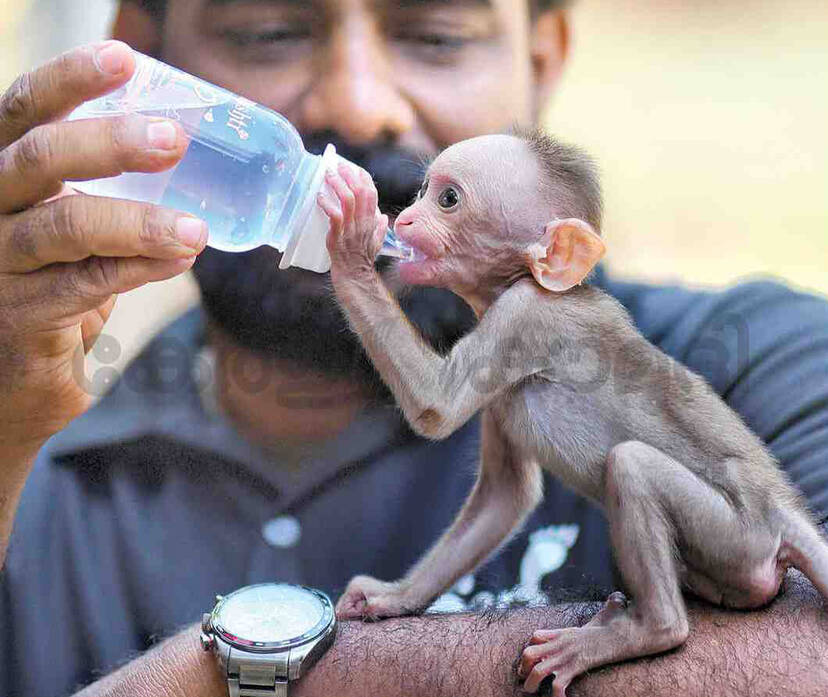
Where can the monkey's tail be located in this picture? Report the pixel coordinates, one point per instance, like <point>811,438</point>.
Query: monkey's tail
<point>806,549</point>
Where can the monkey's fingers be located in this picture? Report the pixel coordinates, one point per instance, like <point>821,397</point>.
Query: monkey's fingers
<point>382,226</point>
<point>380,229</point>
<point>351,606</point>
<point>366,194</point>
<point>332,210</point>
<point>343,192</point>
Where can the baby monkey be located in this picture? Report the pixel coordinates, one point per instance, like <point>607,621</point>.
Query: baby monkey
<point>511,223</point>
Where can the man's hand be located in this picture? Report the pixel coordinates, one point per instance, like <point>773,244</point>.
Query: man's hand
<point>357,226</point>
<point>64,256</point>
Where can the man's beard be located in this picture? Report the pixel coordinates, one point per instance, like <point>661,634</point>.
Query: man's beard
<point>292,314</point>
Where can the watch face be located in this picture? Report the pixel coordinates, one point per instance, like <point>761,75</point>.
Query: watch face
<point>272,615</point>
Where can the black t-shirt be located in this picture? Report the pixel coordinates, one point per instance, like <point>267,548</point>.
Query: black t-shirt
<point>147,506</point>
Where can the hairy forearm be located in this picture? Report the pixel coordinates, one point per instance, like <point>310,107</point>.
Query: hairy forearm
<point>779,650</point>
<point>177,667</point>
<point>770,652</point>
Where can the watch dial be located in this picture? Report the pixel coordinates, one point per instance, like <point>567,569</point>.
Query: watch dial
<point>270,612</point>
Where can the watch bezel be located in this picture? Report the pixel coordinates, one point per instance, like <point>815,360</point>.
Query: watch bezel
<point>314,632</point>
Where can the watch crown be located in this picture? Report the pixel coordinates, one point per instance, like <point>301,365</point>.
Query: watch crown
<point>205,622</point>
<point>206,642</point>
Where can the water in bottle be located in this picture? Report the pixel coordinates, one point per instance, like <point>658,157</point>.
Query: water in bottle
<point>245,171</point>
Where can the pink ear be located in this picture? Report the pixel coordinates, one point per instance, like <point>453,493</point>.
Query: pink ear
<point>567,252</point>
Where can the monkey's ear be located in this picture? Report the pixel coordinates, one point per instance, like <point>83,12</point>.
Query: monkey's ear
<point>566,253</point>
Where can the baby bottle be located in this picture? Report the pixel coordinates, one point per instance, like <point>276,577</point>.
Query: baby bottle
<point>245,171</point>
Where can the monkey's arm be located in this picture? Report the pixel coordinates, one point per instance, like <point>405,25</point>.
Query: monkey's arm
<point>506,491</point>
<point>438,394</point>
<point>777,651</point>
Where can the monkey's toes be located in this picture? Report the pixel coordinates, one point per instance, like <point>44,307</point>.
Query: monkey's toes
<point>553,652</point>
<point>617,600</point>
<point>614,606</point>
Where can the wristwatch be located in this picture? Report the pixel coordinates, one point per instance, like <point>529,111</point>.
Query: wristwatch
<point>267,635</point>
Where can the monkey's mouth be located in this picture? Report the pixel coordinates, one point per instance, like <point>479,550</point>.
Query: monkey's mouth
<point>416,255</point>
<point>421,250</point>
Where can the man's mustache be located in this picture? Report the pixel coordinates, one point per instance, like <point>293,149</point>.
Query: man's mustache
<point>398,172</point>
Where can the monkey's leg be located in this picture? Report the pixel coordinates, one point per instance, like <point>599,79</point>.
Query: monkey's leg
<point>645,492</point>
<point>507,489</point>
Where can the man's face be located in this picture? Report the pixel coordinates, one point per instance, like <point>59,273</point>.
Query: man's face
<point>390,83</point>
<point>421,74</point>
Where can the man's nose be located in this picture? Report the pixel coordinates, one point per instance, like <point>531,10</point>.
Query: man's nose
<point>354,92</point>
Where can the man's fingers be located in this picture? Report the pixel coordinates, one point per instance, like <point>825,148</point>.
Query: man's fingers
<point>85,285</point>
<point>62,291</point>
<point>93,322</point>
<point>33,167</point>
<point>72,228</point>
<point>54,89</point>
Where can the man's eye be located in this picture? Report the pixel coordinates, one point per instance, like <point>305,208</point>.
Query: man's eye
<point>432,46</point>
<point>448,198</point>
<point>439,41</point>
<point>266,36</point>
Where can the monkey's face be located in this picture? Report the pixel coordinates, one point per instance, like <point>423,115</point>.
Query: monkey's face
<point>473,217</point>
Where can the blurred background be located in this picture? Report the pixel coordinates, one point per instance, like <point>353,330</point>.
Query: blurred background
<point>709,120</point>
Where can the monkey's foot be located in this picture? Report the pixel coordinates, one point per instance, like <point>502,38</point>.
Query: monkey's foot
<point>370,599</point>
<point>557,652</point>
<point>539,649</point>
<point>612,635</point>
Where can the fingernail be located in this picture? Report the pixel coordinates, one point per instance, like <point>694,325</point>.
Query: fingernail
<point>191,232</point>
<point>110,59</point>
<point>161,135</point>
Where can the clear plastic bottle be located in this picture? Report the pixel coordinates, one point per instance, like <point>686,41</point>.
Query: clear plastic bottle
<point>245,171</point>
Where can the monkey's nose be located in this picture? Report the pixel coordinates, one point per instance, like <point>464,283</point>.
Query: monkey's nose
<point>404,220</point>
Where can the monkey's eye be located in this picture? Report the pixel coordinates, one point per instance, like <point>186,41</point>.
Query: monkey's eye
<point>448,198</point>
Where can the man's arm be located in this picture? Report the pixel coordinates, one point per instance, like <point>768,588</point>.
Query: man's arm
<point>770,652</point>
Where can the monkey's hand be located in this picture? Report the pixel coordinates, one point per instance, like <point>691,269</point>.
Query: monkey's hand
<point>357,227</point>
<point>371,599</point>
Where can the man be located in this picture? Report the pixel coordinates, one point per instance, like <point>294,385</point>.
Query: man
<point>256,444</point>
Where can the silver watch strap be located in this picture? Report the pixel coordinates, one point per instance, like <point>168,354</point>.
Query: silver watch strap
<point>257,675</point>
